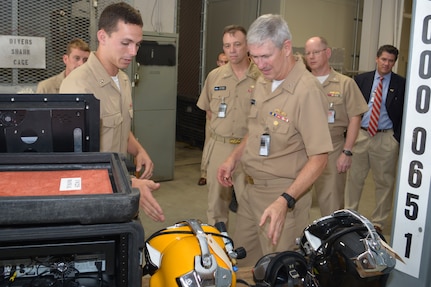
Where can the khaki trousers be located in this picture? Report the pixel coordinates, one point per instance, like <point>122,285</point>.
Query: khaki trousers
<point>329,187</point>
<point>254,200</point>
<point>207,137</point>
<point>219,197</point>
<point>380,154</point>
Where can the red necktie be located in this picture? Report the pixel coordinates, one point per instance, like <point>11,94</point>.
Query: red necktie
<point>375,112</point>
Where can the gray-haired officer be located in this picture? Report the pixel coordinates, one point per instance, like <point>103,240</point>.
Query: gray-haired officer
<point>286,148</point>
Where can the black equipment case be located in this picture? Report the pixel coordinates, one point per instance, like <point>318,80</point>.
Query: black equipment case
<point>68,214</point>
<point>96,255</point>
<point>40,173</point>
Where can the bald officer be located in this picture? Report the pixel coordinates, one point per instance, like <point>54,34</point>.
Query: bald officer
<point>345,106</point>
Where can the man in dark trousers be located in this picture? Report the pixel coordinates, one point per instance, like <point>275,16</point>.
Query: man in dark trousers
<point>377,145</point>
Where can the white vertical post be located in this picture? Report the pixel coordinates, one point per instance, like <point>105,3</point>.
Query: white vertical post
<point>411,231</point>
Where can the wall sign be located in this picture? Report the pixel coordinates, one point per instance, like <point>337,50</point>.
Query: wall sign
<point>22,52</point>
<point>415,172</point>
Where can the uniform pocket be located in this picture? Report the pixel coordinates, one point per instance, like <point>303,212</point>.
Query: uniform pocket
<point>335,101</point>
<point>111,126</point>
<point>217,98</point>
<point>112,121</point>
<point>276,125</point>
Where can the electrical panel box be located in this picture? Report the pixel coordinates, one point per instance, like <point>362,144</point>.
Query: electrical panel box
<point>154,100</point>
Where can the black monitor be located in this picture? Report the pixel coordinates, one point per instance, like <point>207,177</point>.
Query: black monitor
<point>49,123</point>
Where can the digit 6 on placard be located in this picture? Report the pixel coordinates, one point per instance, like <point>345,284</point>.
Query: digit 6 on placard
<point>415,175</point>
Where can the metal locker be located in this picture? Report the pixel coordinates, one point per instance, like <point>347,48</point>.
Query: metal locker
<point>154,100</point>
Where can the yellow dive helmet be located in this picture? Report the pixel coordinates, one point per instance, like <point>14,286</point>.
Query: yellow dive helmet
<point>189,254</point>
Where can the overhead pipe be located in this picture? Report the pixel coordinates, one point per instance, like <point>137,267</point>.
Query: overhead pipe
<point>355,39</point>
<point>203,37</point>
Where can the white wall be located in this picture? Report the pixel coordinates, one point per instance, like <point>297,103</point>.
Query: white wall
<point>332,19</point>
<point>382,24</point>
<point>221,13</point>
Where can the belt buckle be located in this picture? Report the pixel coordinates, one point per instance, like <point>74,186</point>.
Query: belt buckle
<point>249,179</point>
<point>234,141</point>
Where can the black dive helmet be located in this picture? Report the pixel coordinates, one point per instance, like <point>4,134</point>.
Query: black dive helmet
<point>344,249</point>
<point>282,269</point>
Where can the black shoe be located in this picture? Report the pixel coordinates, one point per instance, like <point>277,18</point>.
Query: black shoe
<point>202,181</point>
<point>233,206</point>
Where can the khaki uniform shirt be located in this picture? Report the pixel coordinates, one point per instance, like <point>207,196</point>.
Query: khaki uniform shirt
<point>343,94</point>
<point>116,108</point>
<point>50,85</point>
<point>295,117</point>
<point>222,86</point>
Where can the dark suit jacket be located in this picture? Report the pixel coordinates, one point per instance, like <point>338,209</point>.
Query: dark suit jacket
<point>395,97</point>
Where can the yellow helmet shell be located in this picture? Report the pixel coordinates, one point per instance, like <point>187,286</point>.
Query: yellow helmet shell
<point>181,252</point>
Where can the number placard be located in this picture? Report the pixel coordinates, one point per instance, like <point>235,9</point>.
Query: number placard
<point>415,170</point>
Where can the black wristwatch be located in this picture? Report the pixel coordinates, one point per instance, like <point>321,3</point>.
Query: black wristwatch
<point>290,200</point>
<point>347,152</point>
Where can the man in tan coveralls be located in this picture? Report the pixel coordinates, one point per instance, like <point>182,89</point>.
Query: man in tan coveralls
<point>77,52</point>
<point>119,36</point>
<point>226,98</point>
<point>345,106</point>
<point>286,148</point>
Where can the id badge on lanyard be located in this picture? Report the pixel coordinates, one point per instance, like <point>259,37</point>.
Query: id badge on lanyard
<point>222,109</point>
<point>265,140</point>
<point>331,114</point>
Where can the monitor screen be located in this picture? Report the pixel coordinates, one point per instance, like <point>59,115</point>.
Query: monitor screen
<point>49,123</point>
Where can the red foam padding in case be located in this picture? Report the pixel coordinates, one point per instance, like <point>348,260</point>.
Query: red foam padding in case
<point>47,183</point>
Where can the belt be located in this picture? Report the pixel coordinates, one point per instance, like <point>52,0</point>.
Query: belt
<point>225,139</point>
<point>379,131</point>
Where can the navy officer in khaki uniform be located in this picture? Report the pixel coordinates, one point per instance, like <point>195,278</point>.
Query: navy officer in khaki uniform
<point>345,106</point>
<point>119,37</point>
<point>226,98</point>
<point>286,148</point>
<point>77,52</point>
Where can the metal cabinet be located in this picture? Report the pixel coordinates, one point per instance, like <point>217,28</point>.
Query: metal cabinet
<point>154,78</point>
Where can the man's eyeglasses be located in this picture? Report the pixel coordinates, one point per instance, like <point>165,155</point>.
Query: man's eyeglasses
<point>314,53</point>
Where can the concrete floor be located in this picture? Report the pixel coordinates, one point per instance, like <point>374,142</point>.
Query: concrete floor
<point>183,199</point>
